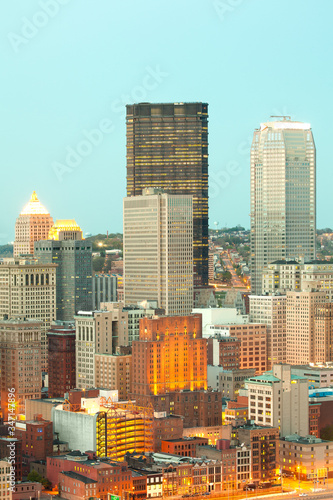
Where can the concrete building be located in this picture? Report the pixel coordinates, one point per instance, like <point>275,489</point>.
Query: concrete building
<point>279,399</point>
<point>114,372</point>
<point>320,375</point>
<point>74,271</point>
<point>167,147</point>
<point>20,364</point>
<point>158,250</point>
<point>308,457</point>
<point>283,195</point>
<point>28,290</point>
<point>291,276</point>
<point>231,381</point>
<point>8,443</point>
<point>323,333</point>
<point>33,224</point>
<point>300,325</point>
<point>270,310</point>
<point>100,423</point>
<point>61,358</point>
<point>5,480</point>
<point>96,333</point>
<point>212,317</point>
<point>104,289</point>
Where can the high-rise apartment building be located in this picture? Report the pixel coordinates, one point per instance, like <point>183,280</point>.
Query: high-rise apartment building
<point>73,257</point>
<point>271,311</point>
<point>158,250</point>
<point>33,224</point>
<point>300,325</point>
<point>283,195</point>
<point>20,363</point>
<point>61,360</point>
<point>104,289</point>
<point>28,290</point>
<point>167,147</point>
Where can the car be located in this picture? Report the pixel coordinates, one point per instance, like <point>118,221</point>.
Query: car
<point>303,494</point>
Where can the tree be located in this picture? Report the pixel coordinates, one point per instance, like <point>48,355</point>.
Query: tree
<point>98,263</point>
<point>35,477</point>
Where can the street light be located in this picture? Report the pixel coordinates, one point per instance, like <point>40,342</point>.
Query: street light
<point>299,478</point>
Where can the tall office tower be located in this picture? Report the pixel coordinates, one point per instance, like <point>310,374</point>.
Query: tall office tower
<point>20,363</point>
<point>271,311</point>
<point>323,333</point>
<point>73,257</point>
<point>167,147</point>
<point>283,195</point>
<point>28,290</point>
<point>33,224</point>
<point>158,251</point>
<point>61,357</point>
<point>300,325</point>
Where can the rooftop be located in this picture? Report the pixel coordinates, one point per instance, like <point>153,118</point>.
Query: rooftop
<point>34,207</point>
<point>79,477</point>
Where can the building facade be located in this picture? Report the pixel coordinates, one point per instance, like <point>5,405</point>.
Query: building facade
<point>300,325</point>
<point>280,399</point>
<point>167,147</point>
<point>283,195</point>
<point>104,289</point>
<point>61,357</point>
<point>170,356</point>
<point>158,250</point>
<point>270,310</point>
<point>74,274</point>
<point>28,290</point>
<point>33,224</point>
<point>20,364</point>
<point>114,372</point>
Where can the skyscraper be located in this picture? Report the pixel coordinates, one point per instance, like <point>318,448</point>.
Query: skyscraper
<point>73,257</point>
<point>167,147</point>
<point>283,195</point>
<point>33,224</point>
<point>158,251</point>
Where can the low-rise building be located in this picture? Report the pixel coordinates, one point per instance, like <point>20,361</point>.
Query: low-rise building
<point>185,447</point>
<point>309,458</point>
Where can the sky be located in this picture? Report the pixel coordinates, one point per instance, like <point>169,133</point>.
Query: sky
<point>69,67</point>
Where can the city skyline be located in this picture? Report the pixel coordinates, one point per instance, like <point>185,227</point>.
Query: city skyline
<point>49,116</point>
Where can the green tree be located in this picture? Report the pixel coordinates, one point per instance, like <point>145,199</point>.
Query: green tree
<point>98,263</point>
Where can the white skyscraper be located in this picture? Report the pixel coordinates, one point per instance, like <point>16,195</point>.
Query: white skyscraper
<point>283,195</point>
<point>158,250</point>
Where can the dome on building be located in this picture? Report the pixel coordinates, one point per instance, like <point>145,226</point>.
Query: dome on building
<point>65,227</point>
<point>34,207</point>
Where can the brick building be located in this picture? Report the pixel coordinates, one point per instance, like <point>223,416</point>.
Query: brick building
<point>264,445</point>
<point>170,356</point>
<point>72,471</point>
<point>229,353</point>
<point>166,427</point>
<point>114,372</point>
<point>185,447</point>
<point>62,365</point>
<point>20,363</point>
<point>37,438</point>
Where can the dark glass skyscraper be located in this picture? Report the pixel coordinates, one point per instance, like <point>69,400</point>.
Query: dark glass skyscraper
<point>167,147</point>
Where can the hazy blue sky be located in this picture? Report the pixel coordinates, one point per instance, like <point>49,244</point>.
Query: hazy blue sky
<point>69,66</point>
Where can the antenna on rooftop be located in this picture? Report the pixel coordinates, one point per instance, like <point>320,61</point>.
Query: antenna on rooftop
<point>284,117</point>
